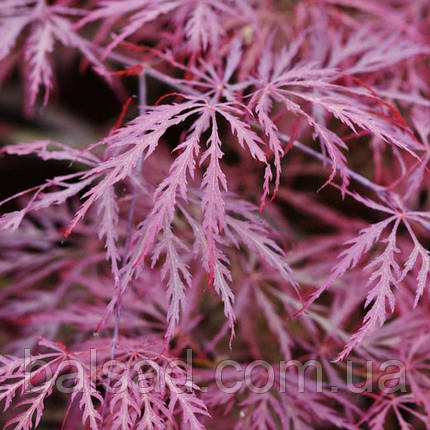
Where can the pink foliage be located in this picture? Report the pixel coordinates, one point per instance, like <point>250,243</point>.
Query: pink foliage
<point>266,200</point>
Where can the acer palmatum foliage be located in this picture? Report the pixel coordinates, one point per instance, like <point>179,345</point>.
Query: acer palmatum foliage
<point>261,198</point>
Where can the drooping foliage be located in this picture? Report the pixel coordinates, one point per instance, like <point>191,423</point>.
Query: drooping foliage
<point>263,196</point>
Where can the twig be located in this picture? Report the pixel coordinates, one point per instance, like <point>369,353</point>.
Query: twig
<point>131,213</point>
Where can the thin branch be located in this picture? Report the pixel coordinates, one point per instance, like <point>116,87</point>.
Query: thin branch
<point>354,175</point>
<point>130,219</point>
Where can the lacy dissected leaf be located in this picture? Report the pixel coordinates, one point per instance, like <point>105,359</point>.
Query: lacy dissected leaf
<point>385,270</point>
<point>46,25</point>
<point>255,234</point>
<point>108,212</point>
<point>384,277</point>
<point>193,16</point>
<point>43,381</point>
<point>177,274</point>
<point>375,51</point>
<point>294,84</point>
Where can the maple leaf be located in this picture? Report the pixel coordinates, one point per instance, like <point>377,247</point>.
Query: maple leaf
<point>275,322</point>
<point>385,271</point>
<point>48,150</point>
<point>54,363</point>
<point>382,278</point>
<point>221,273</point>
<point>373,51</point>
<point>108,212</point>
<point>175,270</point>
<point>368,10</point>
<point>46,24</point>
<point>213,185</point>
<point>125,147</point>
<point>124,404</point>
<point>192,16</point>
<point>290,84</point>
<point>381,410</point>
<point>158,211</point>
<point>255,233</point>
